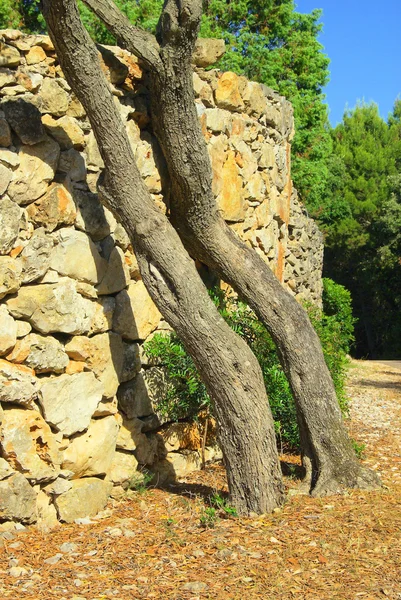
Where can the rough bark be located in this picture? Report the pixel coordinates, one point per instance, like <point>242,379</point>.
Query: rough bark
<point>328,456</point>
<point>227,366</point>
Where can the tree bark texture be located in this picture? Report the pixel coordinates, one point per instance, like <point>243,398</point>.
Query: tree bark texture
<point>328,456</point>
<point>227,366</point>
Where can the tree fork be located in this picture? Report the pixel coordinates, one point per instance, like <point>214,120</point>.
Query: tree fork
<point>229,369</point>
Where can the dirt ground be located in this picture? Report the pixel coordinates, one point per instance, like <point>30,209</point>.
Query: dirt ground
<point>154,545</point>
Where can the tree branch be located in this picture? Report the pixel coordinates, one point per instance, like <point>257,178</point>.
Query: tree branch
<point>140,43</point>
<point>179,23</point>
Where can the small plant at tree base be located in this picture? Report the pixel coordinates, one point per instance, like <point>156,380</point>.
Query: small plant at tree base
<point>221,503</point>
<point>359,448</point>
<point>208,518</point>
<point>140,481</point>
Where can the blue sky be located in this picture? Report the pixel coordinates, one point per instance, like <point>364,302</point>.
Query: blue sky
<point>363,41</point>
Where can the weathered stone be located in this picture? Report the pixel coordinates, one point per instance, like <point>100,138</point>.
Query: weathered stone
<point>176,465</point>
<point>93,158</point>
<point>29,445</point>
<point>75,108</point>
<point>5,178</point>
<point>54,99</point>
<point>76,256</point>
<point>30,80</point>
<point>230,200</point>
<point>23,328</point>
<point>107,407</point>
<point>102,319</point>
<point>227,93</point>
<point>58,486</point>
<point>18,384</point>
<point>124,469</point>
<point>91,215</point>
<point>104,354</point>
<point>9,158</point>
<point>35,55</point>
<point>53,209</point>
<point>53,307</point>
<point>8,331</point>
<point>131,362</point>
<point>69,401</point>
<point>208,51</point>
<point>25,120</point>
<point>37,167</point>
<point>5,134</point>
<point>7,77</point>
<point>35,257</point>
<point>46,514</point>
<point>5,467</point>
<point>136,315</point>
<point>254,98</point>
<point>10,275</point>
<point>86,498</point>
<point>10,214</point>
<point>73,162</point>
<point>139,397</point>
<point>218,120</point>
<point>92,452</point>
<point>130,435</point>
<point>117,275</point>
<point>255,188</point>
<point>116,69</point>
<point>44,354</point>
<point>9,56</point>
<point>181,436</point>
<point>65,130</point>
<point>17,500</point>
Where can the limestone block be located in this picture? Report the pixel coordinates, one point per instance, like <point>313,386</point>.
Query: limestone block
<point>254,98</point>
<point>93,157</point>
<point>35,55</point>
<point>267,158</point>
<point>102,318</point>
<point>53,307</point>
<point>8,331</point>
<point>86,498</point>
<point>30,80</point>
<point>23,328</point>
<point>55,208</point>
<point>7,77</point>
<point>46,514</point>
<point>218,120</point>
<point>230,200</point>
<point>35,257</point>
<point>5,178</point>
<point>130,435</point>
<point>176,466</point>
<point>116,70</point>
<point>10,214</point>
<point>208,51</point>
<point>5,467</point>
<point>9,56</point>
<point>139,397</point>
<point>203,90</point>
<point>65,130</point>
<point>54,99</point>
<point>44,354</point>
<point>5,134</point>
<point>76,256</point>
<point>17,500</point>
<point>73,162</point>
<point>92,452</point>
<point>25,119</point>
<point>91,215</point>
<point>255,188</point>
<point>107,407</point>
<point>124,469</point>
<point>37,168</point>
<point>227,93</point>
<point>69,401</point>
<point>117,275</point>
<point>18,384</point>
<point>136,315</point>
<point>75,108</point>
<point>104,355</point>
<point>131,362</point>
<point>29,445</point>
<point>10,275</point>
<point>9,158</point>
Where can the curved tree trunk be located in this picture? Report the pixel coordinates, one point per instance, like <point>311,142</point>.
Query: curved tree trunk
<point>229,369</point>
<point>328,455</point>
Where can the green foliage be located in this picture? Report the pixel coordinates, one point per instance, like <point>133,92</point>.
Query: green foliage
<point>139,482</point>
<point>359,448</point>
<point>208,518</point>
<point>21,14</point>
<point>187,394</point>
<point>220,503</point>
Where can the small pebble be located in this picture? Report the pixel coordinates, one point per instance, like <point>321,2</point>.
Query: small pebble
<point>68,547</point>
<point>53,559</point>
<point>194,586</point>
<point>17,572</point>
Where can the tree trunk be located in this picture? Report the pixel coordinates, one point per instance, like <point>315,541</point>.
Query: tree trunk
<point>328,455</point>
<point>227,366</point>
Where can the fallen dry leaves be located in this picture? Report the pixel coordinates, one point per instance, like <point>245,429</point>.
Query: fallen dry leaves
<point>152,545</point>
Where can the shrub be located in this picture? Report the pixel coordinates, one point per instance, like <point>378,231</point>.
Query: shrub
<point>188,395</point>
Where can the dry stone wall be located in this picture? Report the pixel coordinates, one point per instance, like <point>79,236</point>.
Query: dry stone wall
<point>77,397</point>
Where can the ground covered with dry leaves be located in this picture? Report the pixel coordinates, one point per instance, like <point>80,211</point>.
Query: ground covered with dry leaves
<point>155,544</point>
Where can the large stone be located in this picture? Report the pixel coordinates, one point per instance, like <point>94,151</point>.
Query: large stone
<point>35,55</point>
<point>10,275</point>
<point>69,401</point>
<point>76,256</point>
<point>92,452</point>
<point>104,355</point>
<point>66,131</point>
<point>86,498</point>
<point>131,363</point>
<point>254,98</point>
<point>8,331</point>
<point>42,353</point>
<point>9,56</point>
<point>73,162</point>
<point>17,500</point>
<point>53,307</point>
<point>139,397</point>
<point>5,178</point>
<point>91,215</point>
<point>18,384</point>
<point>54,99</point>
<point>37,168</point>
<point>116,69</point>
<point>5,134</point>
<point>124,469</point>
<point>93,158</point>
<point>10,214</point>
<point>25,120</point>
<point>176,466</point>
<point>29,445</point>
<point>208,51</point>
<point>9,158</point>
<point>117,275</point>
<point>35,257</point>
<point>227,93</point>
<point>53,209</point>
<point>102,319</point>
<point>46,513</point>
<point>131,438</point>
<point>136,315</point>
<point>230,200</point>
